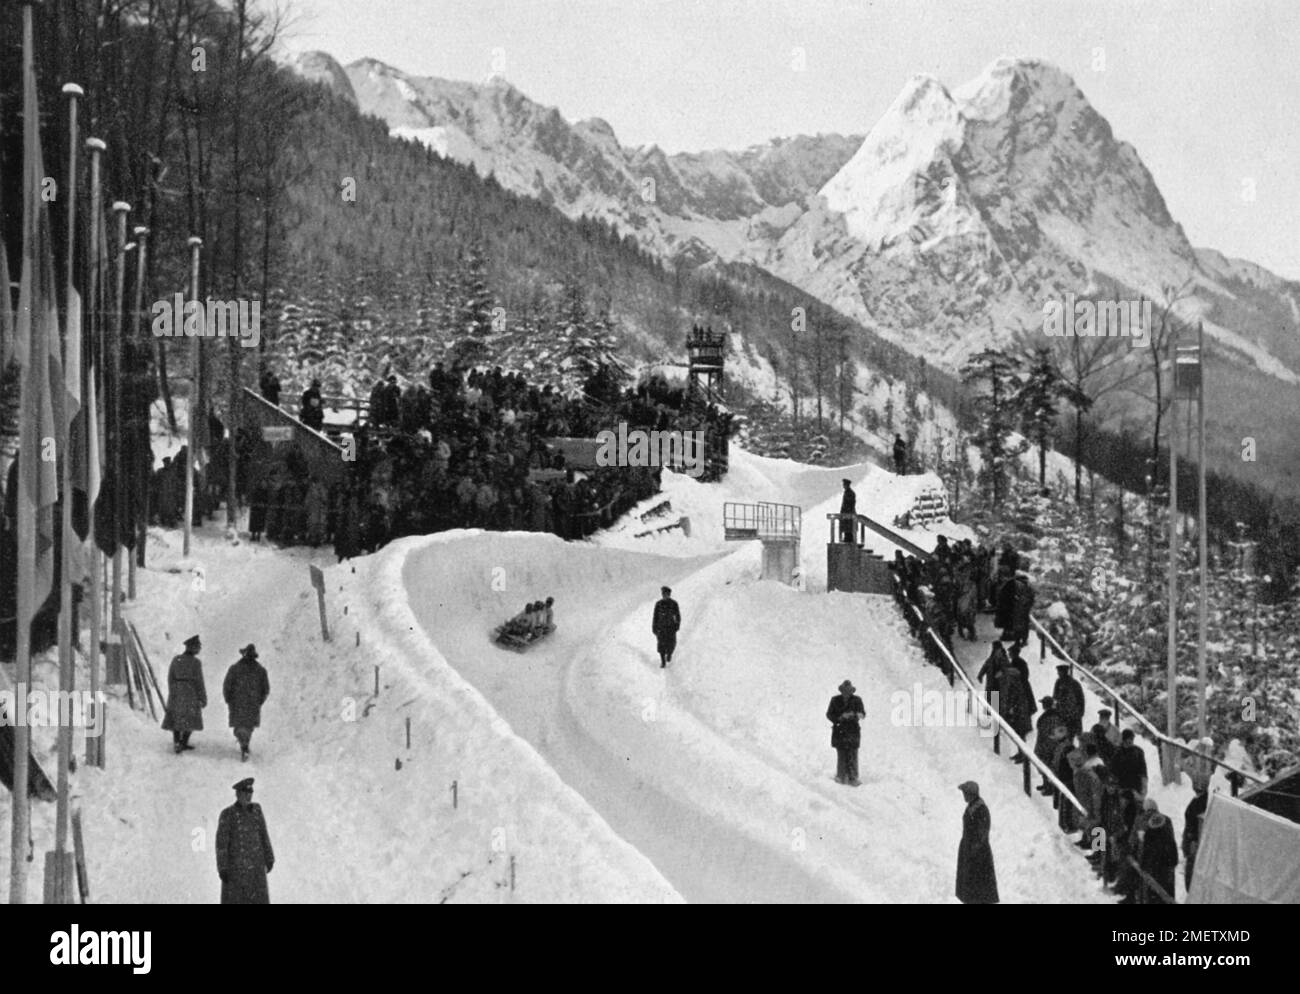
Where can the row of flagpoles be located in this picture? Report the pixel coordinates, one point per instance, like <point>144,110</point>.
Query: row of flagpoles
<point>67,429</point>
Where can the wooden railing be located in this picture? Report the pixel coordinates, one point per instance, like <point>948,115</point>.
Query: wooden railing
<point>1236,776</point>
<point>936,647</point>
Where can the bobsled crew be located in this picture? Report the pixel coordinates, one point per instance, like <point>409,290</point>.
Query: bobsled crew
<point>535,621</point>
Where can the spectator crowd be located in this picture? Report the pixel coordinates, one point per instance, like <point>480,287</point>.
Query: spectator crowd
<point>465,451</point>
<point>1130,842</point>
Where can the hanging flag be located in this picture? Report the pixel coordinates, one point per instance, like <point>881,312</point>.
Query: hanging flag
<point>37,338</point>
<point>103,505</point>
<point>7,352</point>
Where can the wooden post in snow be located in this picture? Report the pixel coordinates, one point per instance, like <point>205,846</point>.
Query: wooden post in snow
<point>318,581</point>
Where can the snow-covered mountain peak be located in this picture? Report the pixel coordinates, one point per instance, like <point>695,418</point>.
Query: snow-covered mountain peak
<point>923,98</point>
<point>880,189</point>
<point>1009,84</point>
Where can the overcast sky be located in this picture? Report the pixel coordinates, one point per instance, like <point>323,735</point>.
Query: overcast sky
<point>1208,92</point>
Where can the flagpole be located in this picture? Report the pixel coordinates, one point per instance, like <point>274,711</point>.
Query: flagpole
<point>1200,529</point>
<point>94,757</point>
<point>195,244</point>
<point>20,819</point>
<point>71,366</point>
<point>142,461</point>
<point>121,208</point>
<point>1171,680</point>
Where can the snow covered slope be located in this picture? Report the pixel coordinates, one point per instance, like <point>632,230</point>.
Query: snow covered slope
<point>718,769</point>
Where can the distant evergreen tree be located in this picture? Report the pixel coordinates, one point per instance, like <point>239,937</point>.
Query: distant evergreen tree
<point>470,306</point>
<point>1036,402</point>
<point>997,410</point>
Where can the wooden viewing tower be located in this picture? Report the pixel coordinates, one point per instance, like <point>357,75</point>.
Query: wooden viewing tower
<point>706,351</point>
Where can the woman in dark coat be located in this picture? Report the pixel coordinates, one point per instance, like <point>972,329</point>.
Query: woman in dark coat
<point>977,883</point>
<point>1159,856</point>
<point>186,696</point>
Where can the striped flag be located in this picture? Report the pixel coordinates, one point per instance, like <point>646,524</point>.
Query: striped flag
<point>37,338</point>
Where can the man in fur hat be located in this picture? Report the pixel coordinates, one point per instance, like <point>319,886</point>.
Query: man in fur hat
<point>245,690</point>
<point>244,854</point>
<point>844,713</point>
<point>186,696</point>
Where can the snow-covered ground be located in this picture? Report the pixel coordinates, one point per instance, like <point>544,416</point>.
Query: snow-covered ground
<point>593,773</point>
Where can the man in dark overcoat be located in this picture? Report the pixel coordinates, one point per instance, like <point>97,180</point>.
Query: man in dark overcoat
<point>667,620</point>
<point>844,713</point>
<point>245,690</point>
<point>977,883</point>
<point>848,506</point>
<point>186,696</point>
<point>244,854</point>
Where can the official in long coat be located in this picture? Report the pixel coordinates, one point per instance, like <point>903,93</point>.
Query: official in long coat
<point>1068,695</point>
<point>1022,606</point>
<point>244,854</point>
<point>1045,739</point>
<point>187,696</point>
<point>245,690</point>
<point>977,883</point>
<point>665,623</point>
<point>844,713</point>
<point>848,505</point>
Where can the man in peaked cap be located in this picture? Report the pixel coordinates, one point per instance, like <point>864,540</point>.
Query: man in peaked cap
<point>244,854</point>
<point>848,506</point>
<point>1068,694</point>
<point>977,883</point>
<point>844,713</point>
<point>245,690</point>
<point>187,696</point>
<point>665,623</point>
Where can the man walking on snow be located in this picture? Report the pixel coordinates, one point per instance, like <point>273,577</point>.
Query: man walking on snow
<point>245,690</point>
<point>244,855</point>
<point>844,713</point>
<point>186,696</point>
<point>667,619</point>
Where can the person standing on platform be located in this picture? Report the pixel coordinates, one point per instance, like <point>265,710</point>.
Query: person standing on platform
<point>848,508</point>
